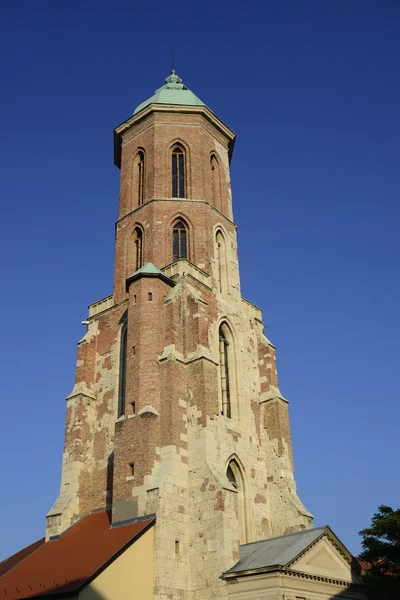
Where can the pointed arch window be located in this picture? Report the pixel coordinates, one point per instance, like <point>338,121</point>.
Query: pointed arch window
<point>236,477</point>
<point>138,248</point>
<point>179,240</point>
<point>222,262</point>
<point>224,369</point>
<point>178,172</point>
<point>138,177</point>
<point>122,370</point>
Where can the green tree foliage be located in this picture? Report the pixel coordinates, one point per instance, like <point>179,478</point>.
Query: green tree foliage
<point>381,550</point>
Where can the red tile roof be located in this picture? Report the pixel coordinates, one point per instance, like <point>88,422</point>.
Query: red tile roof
<point>16,558</point>
<point>364,565</point>
<point>67,563</point>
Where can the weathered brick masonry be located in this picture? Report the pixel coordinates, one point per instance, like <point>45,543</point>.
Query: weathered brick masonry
<point>203,436</point>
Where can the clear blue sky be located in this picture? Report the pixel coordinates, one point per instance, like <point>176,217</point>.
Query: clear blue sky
<point>312,90</point>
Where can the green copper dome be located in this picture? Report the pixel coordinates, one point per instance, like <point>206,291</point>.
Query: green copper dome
<point>173,92</point>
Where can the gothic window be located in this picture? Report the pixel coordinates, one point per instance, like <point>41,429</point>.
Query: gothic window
<point>225,366</point>
<point>122,370</point>
<point>215,182</point>
<point>235,476</point>
<point>179,240</point>
<point>139,177</point>
<point>138,236</point>
<point>178,172</point>
<point>222,263</point>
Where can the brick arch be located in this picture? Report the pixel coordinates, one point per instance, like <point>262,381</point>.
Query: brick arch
<point>178,142</point>
<point>135,225</point>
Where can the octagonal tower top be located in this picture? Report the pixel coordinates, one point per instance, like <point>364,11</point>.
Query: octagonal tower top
<point>173,92</point>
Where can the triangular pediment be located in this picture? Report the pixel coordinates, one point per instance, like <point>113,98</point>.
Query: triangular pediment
<point>326,558</point>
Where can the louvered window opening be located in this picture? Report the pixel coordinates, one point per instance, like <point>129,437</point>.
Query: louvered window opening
<point>224,370</point>
<point>178,173</point>
<point>179,241</point>
<point>140,178</point>
<point>139,248</point>
<point>122,371</point>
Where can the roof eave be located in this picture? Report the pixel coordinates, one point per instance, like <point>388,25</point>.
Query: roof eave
<point>227,576</point>
<point>140,274</point>
<point>175,108</point>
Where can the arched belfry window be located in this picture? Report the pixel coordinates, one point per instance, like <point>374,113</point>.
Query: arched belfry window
<point>215,182</point>
<point>225,369</point>
<point>178,172</point>
<point>122,370</point>
<point>139,177</point>
<point>138,237</point>
<point>236,477</point>
<point>222,262</point>
<point>179,240</point>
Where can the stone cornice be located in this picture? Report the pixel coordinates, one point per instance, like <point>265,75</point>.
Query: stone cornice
<point>175,200</point>
<point>235,577</point>
<point>331,580</point>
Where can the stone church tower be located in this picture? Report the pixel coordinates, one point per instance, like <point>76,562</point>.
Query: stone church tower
<point>176,409</point>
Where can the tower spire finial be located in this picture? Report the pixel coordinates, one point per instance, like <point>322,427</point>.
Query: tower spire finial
<point>173,62</point>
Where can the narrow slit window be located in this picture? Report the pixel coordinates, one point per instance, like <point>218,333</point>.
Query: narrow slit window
<point>224,373</point>
<point>138,248</point>
<point>178,172</point>
<point>140,177</point>
<point>132,469</point>
<point>122,371</point>
<point>222,263</point>
<point>150,297</point>
<point>215,182</point>
<point>219,265</point>
<point>179,241</point>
